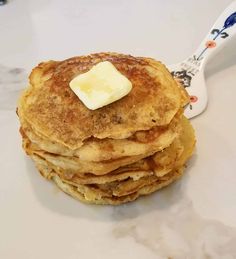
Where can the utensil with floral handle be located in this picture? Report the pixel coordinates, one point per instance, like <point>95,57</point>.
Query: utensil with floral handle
<point>190,72</point>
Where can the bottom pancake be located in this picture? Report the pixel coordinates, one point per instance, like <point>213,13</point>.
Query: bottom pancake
<point>93,198</point>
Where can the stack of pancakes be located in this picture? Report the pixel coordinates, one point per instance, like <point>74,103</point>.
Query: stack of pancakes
<point>114,154</point>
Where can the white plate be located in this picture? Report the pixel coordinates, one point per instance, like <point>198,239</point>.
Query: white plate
<point>193,218</point>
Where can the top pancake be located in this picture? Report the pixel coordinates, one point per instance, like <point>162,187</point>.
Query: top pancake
<point>57,113</point>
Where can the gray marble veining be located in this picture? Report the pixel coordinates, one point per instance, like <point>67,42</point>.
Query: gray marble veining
<point>12,82</point>
<point>178,232</point>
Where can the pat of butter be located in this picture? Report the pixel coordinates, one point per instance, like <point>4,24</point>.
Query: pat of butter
<point>101,85</point>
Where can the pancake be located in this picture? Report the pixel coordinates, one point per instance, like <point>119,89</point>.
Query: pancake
<point>50,170</point>
<point>77,166</point>
<point>98,150</point>
<point>119,188</point>
<point>58,114</point>
<point>92,198</point>
<point>116,152</point>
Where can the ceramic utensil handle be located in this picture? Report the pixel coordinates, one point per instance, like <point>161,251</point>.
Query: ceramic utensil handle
<point>222,31</point>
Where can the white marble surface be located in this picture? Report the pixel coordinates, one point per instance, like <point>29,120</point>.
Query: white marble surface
<point>194,218</point>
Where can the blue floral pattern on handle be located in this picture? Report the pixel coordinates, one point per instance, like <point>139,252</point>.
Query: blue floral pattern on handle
<point>190,67</point>
<point>229,22</point>
<point>185,75</point>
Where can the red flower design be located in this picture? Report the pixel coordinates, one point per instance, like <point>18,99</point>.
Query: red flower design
<point>210,44</point>
<point>193,99</point>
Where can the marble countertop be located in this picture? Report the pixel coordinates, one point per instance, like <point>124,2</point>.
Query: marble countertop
<point>194,218</point>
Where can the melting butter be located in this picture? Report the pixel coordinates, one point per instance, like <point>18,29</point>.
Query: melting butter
<point>101,85</point>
